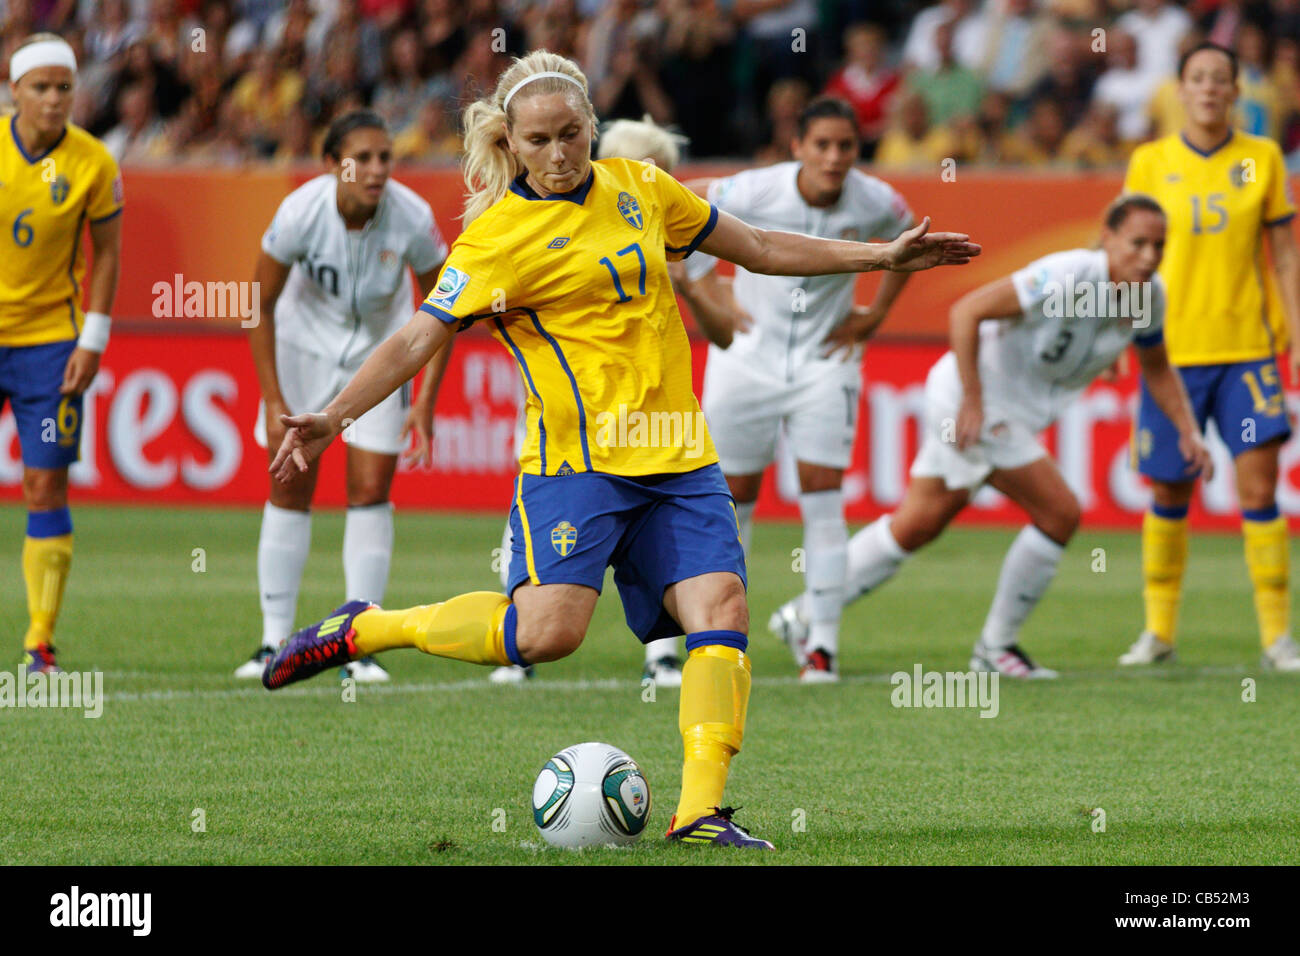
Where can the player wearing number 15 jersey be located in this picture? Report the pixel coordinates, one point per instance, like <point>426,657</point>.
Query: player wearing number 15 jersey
<point>1230,315</point>
<point>55,179</point>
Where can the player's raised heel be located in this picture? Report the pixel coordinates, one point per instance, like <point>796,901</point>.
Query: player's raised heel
<point>718,829</point>
<point>40,660</point>
<point>329,643</point>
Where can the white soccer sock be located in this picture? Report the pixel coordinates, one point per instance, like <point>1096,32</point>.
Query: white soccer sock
<point>1028,569</point>
<point>282,548</point>
<point>664,647</point>
<point>745,520</point>
<point>874,557</point>
<point>367,551</point>
<point>825,541</point>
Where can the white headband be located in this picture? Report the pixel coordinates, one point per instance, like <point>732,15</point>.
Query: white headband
<point>505,104</point>
<point>39,54</point>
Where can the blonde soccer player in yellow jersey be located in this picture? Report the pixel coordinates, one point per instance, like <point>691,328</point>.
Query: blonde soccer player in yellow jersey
<point>54,180</point>
<point>565,260</point>
<point>1229,315</point>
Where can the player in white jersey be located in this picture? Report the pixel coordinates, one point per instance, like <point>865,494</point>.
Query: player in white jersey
<point>1023,347</point>
<point>716,314</point>
<point>335,281</point>
<point>799,363</point>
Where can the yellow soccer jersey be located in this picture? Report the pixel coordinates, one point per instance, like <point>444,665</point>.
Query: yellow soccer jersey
<point>45,202</point>
<point>576,287</point>
<point>1223,299</point>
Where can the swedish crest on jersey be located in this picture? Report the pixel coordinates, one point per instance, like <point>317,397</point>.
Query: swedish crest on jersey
<point>59,189</point>
<point>630,210</point>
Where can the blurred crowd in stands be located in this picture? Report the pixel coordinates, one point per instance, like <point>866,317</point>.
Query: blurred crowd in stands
<point>1042,83</point>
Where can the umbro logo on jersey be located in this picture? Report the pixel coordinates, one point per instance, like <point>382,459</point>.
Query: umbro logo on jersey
<point>559,242</point>
<point>629,209</point>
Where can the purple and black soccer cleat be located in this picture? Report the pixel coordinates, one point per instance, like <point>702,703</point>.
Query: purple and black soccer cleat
<point>330,643</point>
<point>718,829</point>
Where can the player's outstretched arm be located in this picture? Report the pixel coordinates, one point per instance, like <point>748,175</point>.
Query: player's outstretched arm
<point>1166,388</point>
<point>106,248</point>
<point>395,361</point>
<point>769,252</point>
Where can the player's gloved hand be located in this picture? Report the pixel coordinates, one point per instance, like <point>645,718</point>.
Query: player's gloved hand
<point>83,365</point>
<point>306,437</point>
<point>418,423</point>
<point>856,327</point>
<point>1193,449</point>
<point>970,421</point>
<point>918,249</point>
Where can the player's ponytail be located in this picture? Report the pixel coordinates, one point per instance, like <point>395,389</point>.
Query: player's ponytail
<point>488,165</point>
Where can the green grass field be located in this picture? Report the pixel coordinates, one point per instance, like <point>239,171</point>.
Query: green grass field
<point>420,771</point>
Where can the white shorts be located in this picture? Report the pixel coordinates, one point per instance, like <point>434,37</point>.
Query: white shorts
<point>745,405</point>
<point>1005,441</point>
<point>309,382</point>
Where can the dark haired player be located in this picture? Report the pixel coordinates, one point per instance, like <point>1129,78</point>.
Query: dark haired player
<point>55,178</point>
<point>1019,356</point>
<point>1231,313</point>
<point>335,281</point>
<point>799,363</point>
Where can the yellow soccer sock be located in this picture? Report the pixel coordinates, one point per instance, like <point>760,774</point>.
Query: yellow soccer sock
<point>45,569</point>
<point>474,627</point>
<point>1268,560</point>
<point>1164,558</point>
<point>715,696</point>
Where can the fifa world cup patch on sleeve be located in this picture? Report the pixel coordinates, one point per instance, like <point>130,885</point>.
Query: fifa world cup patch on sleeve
<point>450,285</point>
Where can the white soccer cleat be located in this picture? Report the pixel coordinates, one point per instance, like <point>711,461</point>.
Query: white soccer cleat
<point>788,623</point>
<point>1148,649</point>
<point>252,668</point>
<point>1009,662</point>
<point>366,670</point>
<point>510,674</point>
<point>1282,655</point>
<point>664,671</point>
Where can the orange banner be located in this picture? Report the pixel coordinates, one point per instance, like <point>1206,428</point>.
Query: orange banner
<point>206,226</point>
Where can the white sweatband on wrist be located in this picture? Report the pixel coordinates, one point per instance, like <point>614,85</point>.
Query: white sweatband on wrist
<point>39,54</point>
<point>94,332</point>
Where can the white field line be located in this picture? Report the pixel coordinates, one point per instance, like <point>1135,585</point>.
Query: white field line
<point>331,688</point>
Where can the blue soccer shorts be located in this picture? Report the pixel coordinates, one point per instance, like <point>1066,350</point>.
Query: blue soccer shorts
<point>49,424</point>
<point>653,531</point>
<point>1244,399</point>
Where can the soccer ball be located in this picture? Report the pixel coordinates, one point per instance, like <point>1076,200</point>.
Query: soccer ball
<point>589,795</point>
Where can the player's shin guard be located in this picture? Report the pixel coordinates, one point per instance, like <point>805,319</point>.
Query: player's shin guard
<point>826,540</point>
<point>367,551</point>
<point>715,697</point>
<point>478,627</point>
<point>1268,559</point>
<point>47,557</point>
<point>1027,570</point>
<point>1164,557</point>
<point>874,557</point>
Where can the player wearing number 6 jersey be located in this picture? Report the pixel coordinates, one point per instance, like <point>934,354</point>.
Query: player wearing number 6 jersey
<point>1230,315</point>
<point>55,180</point>
<point>1022,348</point>
<point>565,260</point>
